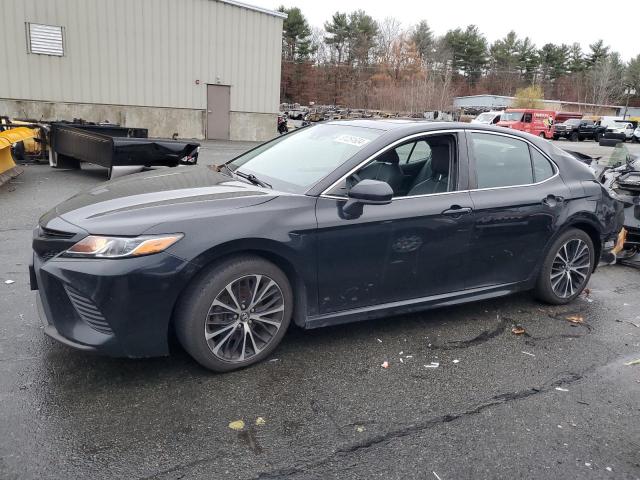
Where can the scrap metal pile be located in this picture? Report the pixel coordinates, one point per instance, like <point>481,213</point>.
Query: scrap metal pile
<point>119,149</point>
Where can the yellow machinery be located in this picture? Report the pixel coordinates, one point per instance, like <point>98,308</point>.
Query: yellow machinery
<point>8,167</point>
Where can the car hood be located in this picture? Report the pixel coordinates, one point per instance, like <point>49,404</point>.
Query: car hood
<point>133,204</point>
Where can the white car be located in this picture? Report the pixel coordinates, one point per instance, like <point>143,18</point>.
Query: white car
<point>636,135</point>
<point>488,118</point>
<point>621,130</point>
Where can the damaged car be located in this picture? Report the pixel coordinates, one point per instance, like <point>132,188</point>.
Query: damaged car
<point>621,176</point>
<point>338,222</point>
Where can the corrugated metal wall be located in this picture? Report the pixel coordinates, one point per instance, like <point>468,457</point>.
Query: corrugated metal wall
<point>143,52</point>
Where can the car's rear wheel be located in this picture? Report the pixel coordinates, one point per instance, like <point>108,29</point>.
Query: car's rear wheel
<point>567,268</point>
<point>235,314</point>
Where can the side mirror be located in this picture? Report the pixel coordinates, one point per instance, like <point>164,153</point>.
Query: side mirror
<point>366,192</point>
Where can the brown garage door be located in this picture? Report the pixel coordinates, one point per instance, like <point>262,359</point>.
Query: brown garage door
<point>218,112</point>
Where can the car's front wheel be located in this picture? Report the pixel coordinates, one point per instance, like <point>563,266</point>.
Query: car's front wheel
<point>567,268</point>
<point>235,313</point>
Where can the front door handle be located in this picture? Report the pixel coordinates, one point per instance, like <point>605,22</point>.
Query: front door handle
<point>457,211</point>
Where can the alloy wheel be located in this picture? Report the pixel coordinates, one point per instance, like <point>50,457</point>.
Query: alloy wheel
<point>570,268</point>
<point>244,317</point>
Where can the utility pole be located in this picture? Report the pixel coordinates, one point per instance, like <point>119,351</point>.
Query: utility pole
<point>626,105</point>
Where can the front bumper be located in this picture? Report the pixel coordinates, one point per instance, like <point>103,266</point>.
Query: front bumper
<point>614,135</point>
<point>117,307</point>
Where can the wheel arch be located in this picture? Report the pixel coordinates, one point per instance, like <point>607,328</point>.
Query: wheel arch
<point>270,250</point>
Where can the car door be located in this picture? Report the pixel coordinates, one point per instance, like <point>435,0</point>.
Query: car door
<point>517,196</point>
<point>413,247</point>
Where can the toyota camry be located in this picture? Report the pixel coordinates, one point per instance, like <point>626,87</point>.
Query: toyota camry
<point>337,222</point>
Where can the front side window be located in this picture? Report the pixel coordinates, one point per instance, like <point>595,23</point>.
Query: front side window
<point>296,161</point>
<point>501,161</point>
<point>417,167</point>
<point>527,118</point>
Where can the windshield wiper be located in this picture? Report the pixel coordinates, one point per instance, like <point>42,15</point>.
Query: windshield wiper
<point>247,176</point>
<point>252,178</point>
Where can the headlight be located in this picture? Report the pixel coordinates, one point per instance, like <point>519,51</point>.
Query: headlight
<point>96,246</point>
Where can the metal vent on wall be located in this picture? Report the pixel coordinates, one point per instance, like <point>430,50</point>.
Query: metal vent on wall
<point>45,39</point>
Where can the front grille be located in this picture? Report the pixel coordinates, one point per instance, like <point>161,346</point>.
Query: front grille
<point>51,233</point>
<point>88,311</point>
<point>47,242</point>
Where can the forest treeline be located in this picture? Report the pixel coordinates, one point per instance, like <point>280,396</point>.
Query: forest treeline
<point>361,62</point>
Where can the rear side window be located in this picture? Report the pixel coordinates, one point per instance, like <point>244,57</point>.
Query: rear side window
<point>542,168</point>
<point>501,161</point>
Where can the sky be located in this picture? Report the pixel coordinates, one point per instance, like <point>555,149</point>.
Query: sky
<point>584,22</point>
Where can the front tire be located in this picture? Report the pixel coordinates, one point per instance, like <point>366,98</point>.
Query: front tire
<point>566,269</point>
<point>235,313</point>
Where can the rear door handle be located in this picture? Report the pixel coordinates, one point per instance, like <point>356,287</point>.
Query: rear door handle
<point>457,211</point>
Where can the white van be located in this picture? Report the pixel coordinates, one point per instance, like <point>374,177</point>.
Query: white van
<point>488,118</point>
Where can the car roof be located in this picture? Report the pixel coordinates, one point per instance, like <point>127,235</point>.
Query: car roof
<point>408,126</point>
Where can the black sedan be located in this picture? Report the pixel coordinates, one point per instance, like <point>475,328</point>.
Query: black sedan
<point>337,222</point>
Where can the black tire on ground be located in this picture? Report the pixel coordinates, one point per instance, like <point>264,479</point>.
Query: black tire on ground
<point>542,135</point>
<point>609,142</point>
<point>543,290</point>
<point>573,137</point>
<point>19,151</point>
<point>581,139</point>
<point>194,306</point>
<point>556,137</point>
<point>597,136</point>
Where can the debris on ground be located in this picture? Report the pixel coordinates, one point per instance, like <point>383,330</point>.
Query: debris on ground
<point>236,425</point>
<point>9,282</point>
<point>360,429</point>
<point>608,469</point>
<point>274,360</point>
<point>385,364</point>
<point>436,475</point>
<point>518,330</point>
<point>560,389</point>
<point>260,421</point>
<point>527,353</point>
<point>401,361</point>
<point>432,365</point>
<point>379,340</point>
<point>456,361</point>
<point>575,319</point>
<point>633,362</point>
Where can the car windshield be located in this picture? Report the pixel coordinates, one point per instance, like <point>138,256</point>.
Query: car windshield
<point>296,161</point>
<point>573,121</point>
<point>485,117</point>
<point>620,124</point>
<point>511,116</point>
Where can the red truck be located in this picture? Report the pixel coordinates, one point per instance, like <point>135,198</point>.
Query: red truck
<point>535,122</point>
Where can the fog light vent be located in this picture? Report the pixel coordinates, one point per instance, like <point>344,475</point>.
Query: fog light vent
<point>88,311</point>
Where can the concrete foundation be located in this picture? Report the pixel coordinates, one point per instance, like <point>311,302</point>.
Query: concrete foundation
<point>255,127</point>
<point>160,121</point>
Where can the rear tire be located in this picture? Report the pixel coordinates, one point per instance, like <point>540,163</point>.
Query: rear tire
<point>566,269</point>
<point>243,305</point>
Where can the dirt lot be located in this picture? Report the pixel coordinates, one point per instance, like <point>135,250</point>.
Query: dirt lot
<point>555,402</point>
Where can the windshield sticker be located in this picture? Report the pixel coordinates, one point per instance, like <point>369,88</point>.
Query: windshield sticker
<point>352,140</point>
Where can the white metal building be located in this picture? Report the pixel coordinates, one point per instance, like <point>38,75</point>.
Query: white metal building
<point>198,68</point>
